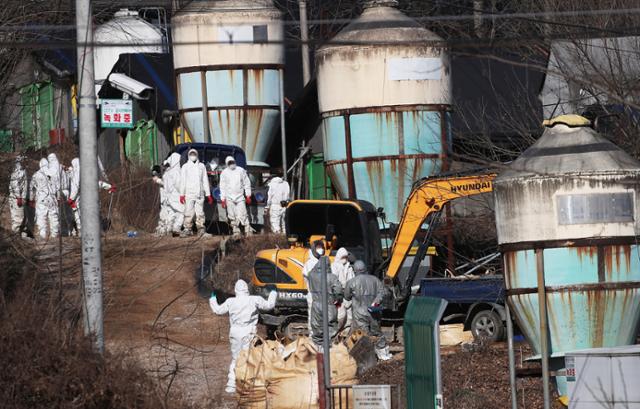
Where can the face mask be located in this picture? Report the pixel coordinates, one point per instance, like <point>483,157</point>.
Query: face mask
<point>193,158</point>
<point>343,261</point>
<point>232,166</point>
<point>320,251</point>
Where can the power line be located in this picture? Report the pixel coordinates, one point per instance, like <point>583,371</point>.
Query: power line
<point>336,21</point>
<point>451,43</point>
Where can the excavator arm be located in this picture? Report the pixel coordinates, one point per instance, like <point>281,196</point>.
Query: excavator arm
<point>429,196</point>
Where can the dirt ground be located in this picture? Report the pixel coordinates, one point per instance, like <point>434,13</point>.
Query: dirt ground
<point>154,312</point>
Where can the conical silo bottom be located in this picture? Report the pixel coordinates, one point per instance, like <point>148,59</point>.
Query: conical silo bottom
<point>592,297</point>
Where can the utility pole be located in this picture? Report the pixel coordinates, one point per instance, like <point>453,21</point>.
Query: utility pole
<point>90,210</point>
<point>326,337</point>
<point>304,37</point>
<point>283,132</point>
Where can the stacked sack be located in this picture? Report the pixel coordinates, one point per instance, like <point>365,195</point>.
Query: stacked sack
<point>272,376</point>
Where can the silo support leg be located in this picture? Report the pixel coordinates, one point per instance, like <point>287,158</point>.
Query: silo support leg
<point>512,359</point>
<point>544,336</point>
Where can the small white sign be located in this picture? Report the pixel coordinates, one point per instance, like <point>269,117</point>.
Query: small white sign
<point>405,69</point>
<point>235,34</point>
<point>116,113</point>
<point>570,364</point>
<point>372,396</point>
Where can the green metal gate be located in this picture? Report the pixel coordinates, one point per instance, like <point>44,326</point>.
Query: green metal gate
<point>317,178</point>
<point>422,352</point>
<point>6,140</point>
<point>37,114</point>
<point>140,145</point>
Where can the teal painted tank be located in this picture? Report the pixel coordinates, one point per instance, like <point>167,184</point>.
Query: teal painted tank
<point>384,95</point>
<point>228,55</point>
<point>568,209</point>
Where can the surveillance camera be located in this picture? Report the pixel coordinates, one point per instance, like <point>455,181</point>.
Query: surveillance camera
<point>129,86</point>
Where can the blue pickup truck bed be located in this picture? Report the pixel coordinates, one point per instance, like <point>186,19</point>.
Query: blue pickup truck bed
<point>489,288</point>
<point>477,301</point>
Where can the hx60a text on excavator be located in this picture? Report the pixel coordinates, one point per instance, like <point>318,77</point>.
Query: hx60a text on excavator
<point>354,226</point>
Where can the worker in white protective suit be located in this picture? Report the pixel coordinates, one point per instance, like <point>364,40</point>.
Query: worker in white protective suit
<point>243,321</point>
<point>173,208</point>
<point>74,192</point>
<point>194,187</point>
<point>162,227</point>
<point>235,194</point>
<point>17,195</point>
<point>277,202</point>
<point>57,176</point>
<point>45,200</point>
<point>342,269</point>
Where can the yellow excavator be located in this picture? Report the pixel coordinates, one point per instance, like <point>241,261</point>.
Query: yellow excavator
<point>354,226</point>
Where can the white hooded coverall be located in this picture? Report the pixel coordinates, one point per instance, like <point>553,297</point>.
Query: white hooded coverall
<point>46,201</point>
<point>343,270</point>
<point>194,186</point>
<point>74,190</point>
<point>235,187</point>
<point>57,176</point>
<point>173,210</point>
<point>163,216</point>
<point>17,193</point>
<point>278,192</point>
<point>243,321</point>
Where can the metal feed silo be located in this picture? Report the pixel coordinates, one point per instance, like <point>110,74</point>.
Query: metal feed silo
<point>384,94</point>
<point>567,213</point>
<point>227,56</point>
<point>125,33</point>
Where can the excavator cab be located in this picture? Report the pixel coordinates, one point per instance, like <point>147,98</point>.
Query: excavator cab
<point>352,225</point>
<point>338,223</point>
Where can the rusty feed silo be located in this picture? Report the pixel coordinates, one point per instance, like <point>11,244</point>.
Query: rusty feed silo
<point>227,56</point>
<point>567,211</point>
<point>384,95</point>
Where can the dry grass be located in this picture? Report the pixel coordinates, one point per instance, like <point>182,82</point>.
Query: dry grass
<point>239,259</point>
<point>46,360</point>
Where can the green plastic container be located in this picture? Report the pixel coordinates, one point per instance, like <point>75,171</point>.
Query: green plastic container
<point>422,352</point>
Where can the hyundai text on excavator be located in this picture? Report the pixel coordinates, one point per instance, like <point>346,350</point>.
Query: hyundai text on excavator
<point>354,225</point>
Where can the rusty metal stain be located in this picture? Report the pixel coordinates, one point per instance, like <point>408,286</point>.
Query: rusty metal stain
<point>254,117</point>
<point>595,300</point>
<point>402,170</point>
<point>615,258</point>
<point>390,108</point>
<point>257,77</point>
<point>590,252</point>
<point>552,320</point>
<point>619,285</point>
<point>415,157</point>
<point>232,78</point>
<point>375,175</point>
<point>510,261</point>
